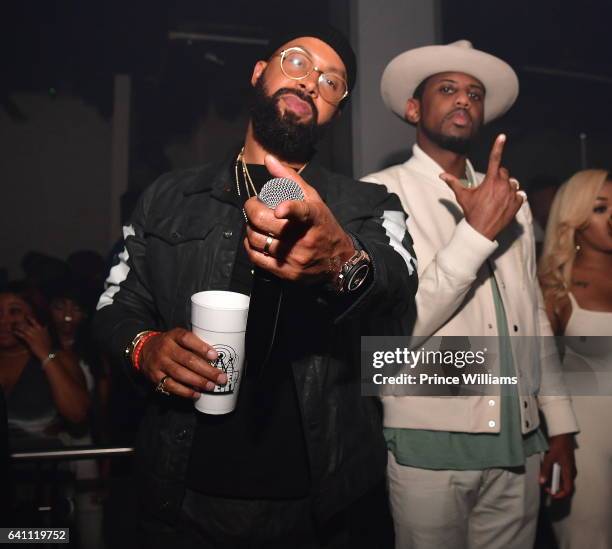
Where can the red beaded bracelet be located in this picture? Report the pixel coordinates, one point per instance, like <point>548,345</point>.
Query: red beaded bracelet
<point>139,346</point>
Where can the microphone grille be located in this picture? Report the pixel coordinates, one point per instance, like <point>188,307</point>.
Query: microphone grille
<point>278,190</point>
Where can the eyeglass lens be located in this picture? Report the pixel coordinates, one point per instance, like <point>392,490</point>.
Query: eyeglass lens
<point>296,64</point>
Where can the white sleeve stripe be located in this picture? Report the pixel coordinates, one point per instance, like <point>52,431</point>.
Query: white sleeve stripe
<point>118,273</point>
<point>395,227</point>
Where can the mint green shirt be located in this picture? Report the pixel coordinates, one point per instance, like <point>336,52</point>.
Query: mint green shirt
<point>427,449</point>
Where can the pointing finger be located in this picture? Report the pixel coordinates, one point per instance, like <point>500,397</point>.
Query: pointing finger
<point>495,158</point>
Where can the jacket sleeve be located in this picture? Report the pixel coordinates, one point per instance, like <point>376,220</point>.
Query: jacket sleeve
<point>445,281</point>
<point>127,307</point>
<point>447,278</point>
<point>393,280</point>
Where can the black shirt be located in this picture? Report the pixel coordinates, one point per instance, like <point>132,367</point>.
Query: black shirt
<point>258,450</point>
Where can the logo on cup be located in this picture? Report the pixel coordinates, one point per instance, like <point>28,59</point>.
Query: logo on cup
<point>227,362</point>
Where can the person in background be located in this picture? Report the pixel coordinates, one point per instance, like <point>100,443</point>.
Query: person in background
<point>44,385</point>
<point>464,471</point>
<point>576,276</point>
<point>71,308</point>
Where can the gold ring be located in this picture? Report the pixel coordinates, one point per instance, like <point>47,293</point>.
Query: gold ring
<point>266,248</point>
<point>161,386</point>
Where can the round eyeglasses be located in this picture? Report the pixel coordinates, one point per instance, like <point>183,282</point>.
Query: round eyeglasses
<point>297,65</point>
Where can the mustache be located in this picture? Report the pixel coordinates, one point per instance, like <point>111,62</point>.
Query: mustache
<point>298,93</point>
<point>450,114</point>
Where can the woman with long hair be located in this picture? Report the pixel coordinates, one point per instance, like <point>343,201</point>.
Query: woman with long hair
<point>576,277</point>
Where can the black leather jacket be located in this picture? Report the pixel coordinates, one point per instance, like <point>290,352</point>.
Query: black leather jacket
<point>183,239</point>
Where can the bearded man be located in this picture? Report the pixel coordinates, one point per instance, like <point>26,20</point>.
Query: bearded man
<point>464,471</point>
<point>303,448</point>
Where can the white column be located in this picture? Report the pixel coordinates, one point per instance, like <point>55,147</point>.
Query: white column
<point>380,31</point>
<point>120,152</point>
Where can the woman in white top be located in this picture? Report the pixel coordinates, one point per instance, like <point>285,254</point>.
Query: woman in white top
<point>576,277</point>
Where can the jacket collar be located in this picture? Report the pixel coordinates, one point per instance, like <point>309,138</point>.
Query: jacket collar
<point>425,164</point>
<point>215,177</point>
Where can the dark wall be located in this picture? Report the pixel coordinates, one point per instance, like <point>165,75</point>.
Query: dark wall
<point>562,53</point>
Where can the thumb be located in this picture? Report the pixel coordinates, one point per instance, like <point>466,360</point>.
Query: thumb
<point>278,169</point>
<point>454,184</point>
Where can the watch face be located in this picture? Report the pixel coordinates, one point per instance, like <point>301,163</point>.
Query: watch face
<point>356,278</point>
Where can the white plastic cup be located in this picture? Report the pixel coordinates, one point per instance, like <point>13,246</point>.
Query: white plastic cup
<point>219,318</point>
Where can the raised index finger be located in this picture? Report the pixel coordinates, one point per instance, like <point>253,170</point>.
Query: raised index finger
<point>495,158</point>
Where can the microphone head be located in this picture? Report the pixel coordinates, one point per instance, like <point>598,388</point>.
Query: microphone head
<point>278,190</point>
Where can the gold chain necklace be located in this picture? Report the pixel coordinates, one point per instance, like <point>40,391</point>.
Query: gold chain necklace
<point>248,181</point>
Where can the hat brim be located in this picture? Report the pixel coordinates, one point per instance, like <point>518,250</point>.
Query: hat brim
<point>406,71</point>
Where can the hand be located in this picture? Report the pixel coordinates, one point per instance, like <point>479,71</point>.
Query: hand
<point>36,336</point>
<point>493,204</point>
<point>303,235</point>
<point>561,450</point>
<point>184,357</point>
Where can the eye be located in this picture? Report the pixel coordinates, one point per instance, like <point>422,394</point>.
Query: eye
<point>600,209</point>
<point>15,311</point>
<point>296,61</point>
<point>447,90</point>
<point>475,96</point>
<point>330,82</point>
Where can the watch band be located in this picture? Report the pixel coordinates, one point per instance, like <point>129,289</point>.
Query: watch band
<point>352,273</point>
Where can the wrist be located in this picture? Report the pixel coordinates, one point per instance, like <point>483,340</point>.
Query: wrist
<point>348,273</point>
<point>347,248</point>
<point>134,349</point>
<point>46,359</point>
<point>343,252</point>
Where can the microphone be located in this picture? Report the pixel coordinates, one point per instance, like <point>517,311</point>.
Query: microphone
<point>278,190</point>
<point>267,290</point>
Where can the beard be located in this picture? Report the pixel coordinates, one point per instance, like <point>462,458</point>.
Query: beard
<point>454,143</point>
<point>282,134</point>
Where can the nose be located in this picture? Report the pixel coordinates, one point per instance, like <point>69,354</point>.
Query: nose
<point>462,99</point>
<point>310,84</point>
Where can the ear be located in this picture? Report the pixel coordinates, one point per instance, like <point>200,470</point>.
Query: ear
<point>413,111</point>
<point>258,69</point>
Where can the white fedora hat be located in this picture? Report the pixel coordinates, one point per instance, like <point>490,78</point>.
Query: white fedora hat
<point>406,71</point>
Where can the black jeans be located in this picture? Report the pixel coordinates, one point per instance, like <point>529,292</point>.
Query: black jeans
<point>219,523</point>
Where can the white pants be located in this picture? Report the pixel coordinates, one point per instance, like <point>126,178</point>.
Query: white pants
<point>488,509</point>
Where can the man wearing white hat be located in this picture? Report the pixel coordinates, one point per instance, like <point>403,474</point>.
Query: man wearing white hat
<point>464,471</point>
